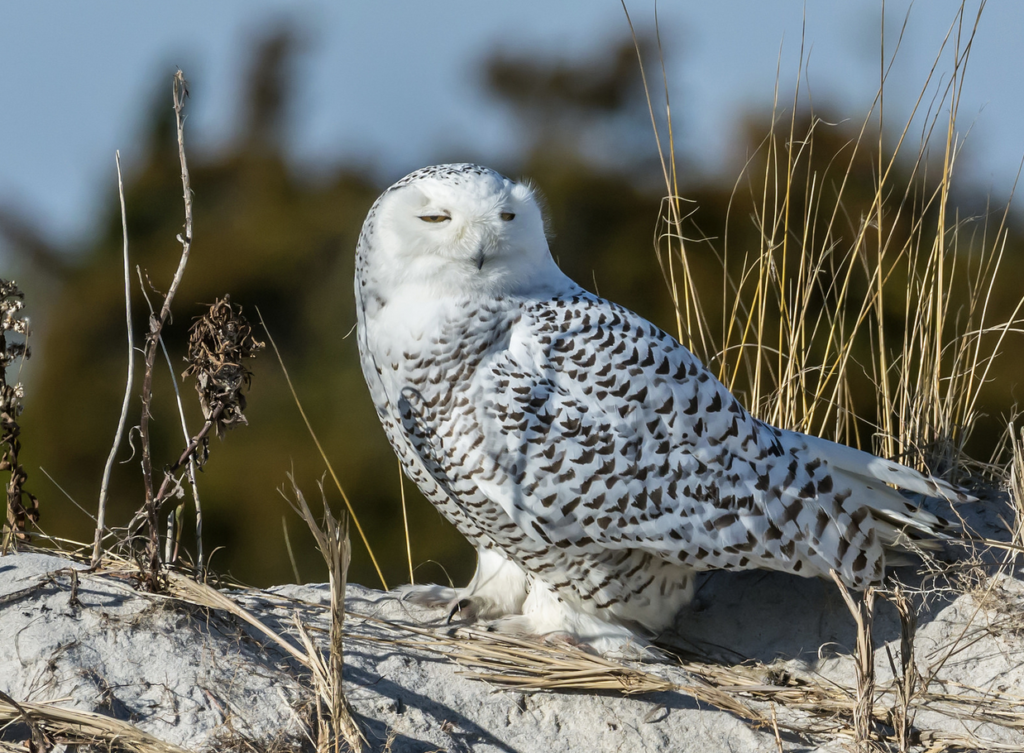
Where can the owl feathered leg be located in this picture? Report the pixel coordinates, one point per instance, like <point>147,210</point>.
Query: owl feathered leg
<point>519,604</point>
<point>547,616</point>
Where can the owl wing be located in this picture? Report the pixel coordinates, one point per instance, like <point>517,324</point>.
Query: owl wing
<point>609,433</point>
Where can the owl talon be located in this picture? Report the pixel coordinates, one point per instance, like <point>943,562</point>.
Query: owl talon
<point>459,606</point>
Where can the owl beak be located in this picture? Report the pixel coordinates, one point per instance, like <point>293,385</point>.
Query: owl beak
<point>479,259</point>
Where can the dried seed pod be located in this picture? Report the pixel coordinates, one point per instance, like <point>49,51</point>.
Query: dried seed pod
<point>219,343</point>
<point>22,507</point>
<point>11,302</point>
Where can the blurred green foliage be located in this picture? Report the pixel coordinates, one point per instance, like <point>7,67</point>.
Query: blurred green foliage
<point>274,240</point>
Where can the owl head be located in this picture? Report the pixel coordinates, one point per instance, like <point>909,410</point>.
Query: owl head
<point>455,230</point>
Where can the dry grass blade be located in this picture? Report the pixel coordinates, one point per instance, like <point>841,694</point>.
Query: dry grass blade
<point>38,739</point>
<point>864,615</point>
<point>330,468</point>
<point>329,694</point>
<point>1017,485</point>
<point>76,727</point>
<point>687,306</point>
<point>405,522</point>
<point>320,682</point>
<point>291,552</point>
<point>186,589</point>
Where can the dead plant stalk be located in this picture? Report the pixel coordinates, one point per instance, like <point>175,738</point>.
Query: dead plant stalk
<point>156,325</point>
<point>74,727</point>
<point>19,516</point>
<point>863,613</point>
<point>333,543</point>
<point>171,554</point>
<point>97,549</point>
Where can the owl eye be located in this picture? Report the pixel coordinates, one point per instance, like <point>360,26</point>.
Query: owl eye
<point>508,216</point>
<point>434,217</point>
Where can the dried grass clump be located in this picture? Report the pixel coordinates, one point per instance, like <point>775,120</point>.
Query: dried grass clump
<point>50,724</point>
<point>335,721</point>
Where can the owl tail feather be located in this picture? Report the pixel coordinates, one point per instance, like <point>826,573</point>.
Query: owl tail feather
<point>873,479</point>
<point>871,468</point>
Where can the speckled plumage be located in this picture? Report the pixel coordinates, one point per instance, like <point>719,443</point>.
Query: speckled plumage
<point>592,460</point>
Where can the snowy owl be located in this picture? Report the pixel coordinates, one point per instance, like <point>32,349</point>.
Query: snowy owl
<point>593,461</point>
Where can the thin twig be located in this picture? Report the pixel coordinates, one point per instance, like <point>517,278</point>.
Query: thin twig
<point>97,549</point>
<point>1017,483</point>
<point>191,470</point>
<point>187,455</point>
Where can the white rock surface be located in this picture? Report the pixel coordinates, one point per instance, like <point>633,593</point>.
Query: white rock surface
<point>203,680</point>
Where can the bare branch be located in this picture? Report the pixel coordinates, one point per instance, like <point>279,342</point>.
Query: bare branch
<point>156,325</point>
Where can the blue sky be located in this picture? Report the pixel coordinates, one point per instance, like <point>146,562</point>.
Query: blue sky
<point>395,82</point>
